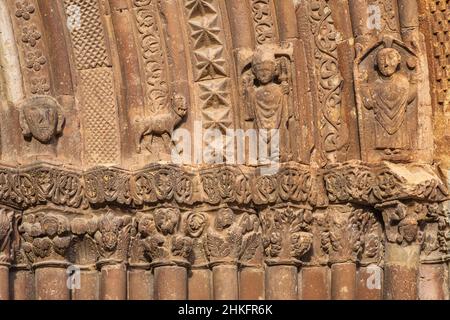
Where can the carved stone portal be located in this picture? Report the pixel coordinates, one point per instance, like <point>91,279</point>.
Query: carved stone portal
<point>345,102</point>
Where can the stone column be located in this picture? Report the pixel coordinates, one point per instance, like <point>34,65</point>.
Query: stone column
<point>170,282</point>
<point>199,283</point>
<point>140,282</point>
<point>359,15</point>
<point>284,247</point>
<point>45,239</point>
<point>369,284</point>
<point>112,239</point>
<point>345,229</point>
<point>225,280</point>
<point>433,269</point>
<point>51,280</point>
<point>22,282</point>
<point>124,21</point>
<point>252,282</point>
<point>6,229</point>
<point>402,250</point>
<point>315,284</point>
<point>242,20</point>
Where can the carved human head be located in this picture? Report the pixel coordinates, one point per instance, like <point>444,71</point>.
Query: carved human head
<point>41,117</point>
<point>388,60</point>
<point>264,65</point>
<point>146,225</point>
<point>408,228</point>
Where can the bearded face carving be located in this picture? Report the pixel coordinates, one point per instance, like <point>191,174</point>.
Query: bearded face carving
<point>41,118</point>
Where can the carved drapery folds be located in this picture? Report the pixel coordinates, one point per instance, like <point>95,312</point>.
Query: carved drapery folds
<point>387,83</point>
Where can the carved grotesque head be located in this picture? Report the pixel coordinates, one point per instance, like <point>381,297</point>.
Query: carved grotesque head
<point>166,220</point>
<point>408,229</point>
<point>50,225</point>
<point>264,66</point>
<point>41,117</point>
<point>179,105</point>
<point>388,60</point>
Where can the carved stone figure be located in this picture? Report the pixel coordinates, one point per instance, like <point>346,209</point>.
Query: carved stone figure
<point>161,125</point>
<point>267,95</point>
<point>41,118</point>
<point>389,97</point>
<point>388,89</point>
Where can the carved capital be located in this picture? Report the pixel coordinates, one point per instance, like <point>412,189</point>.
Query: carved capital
<point>402,221</point>
<point>342,238</point>
<point>287,234</point>
<point>45,238</point>
<point>159,240</point>
<point>232,237</point>
<point>112,238</point>
<point>436,234</point>
<point>84,251</point>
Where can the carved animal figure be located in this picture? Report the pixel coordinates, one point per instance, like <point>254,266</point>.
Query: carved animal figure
<point>162,124</point>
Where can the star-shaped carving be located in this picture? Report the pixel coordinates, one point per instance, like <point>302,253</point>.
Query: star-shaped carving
<point>205,32</point>
<point>217,119</point>
<point>210,63</point>
<point>200,7</point>
<point>215,94</point>
<point>216,104</point>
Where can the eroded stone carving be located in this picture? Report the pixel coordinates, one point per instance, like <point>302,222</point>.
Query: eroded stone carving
<point>232,237</point>
<point>112,238</point>
<point>286,234</point>
<point>267,95</point>
<point>162,237</point>
<point>41,117</point>
<point>6,229</point>
<point>161,125</point>
<point>388,88</point>
<point>45,237</point>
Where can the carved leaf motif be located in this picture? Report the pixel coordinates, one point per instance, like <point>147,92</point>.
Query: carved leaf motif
<point>217,247</point>
<point>250,244</point>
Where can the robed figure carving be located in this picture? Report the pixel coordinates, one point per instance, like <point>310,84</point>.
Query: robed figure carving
<point>267,96</point>
<point>387,91</point>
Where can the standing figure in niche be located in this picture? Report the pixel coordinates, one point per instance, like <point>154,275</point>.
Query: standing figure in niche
<point>389,96</point>
<point>266,95</point>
